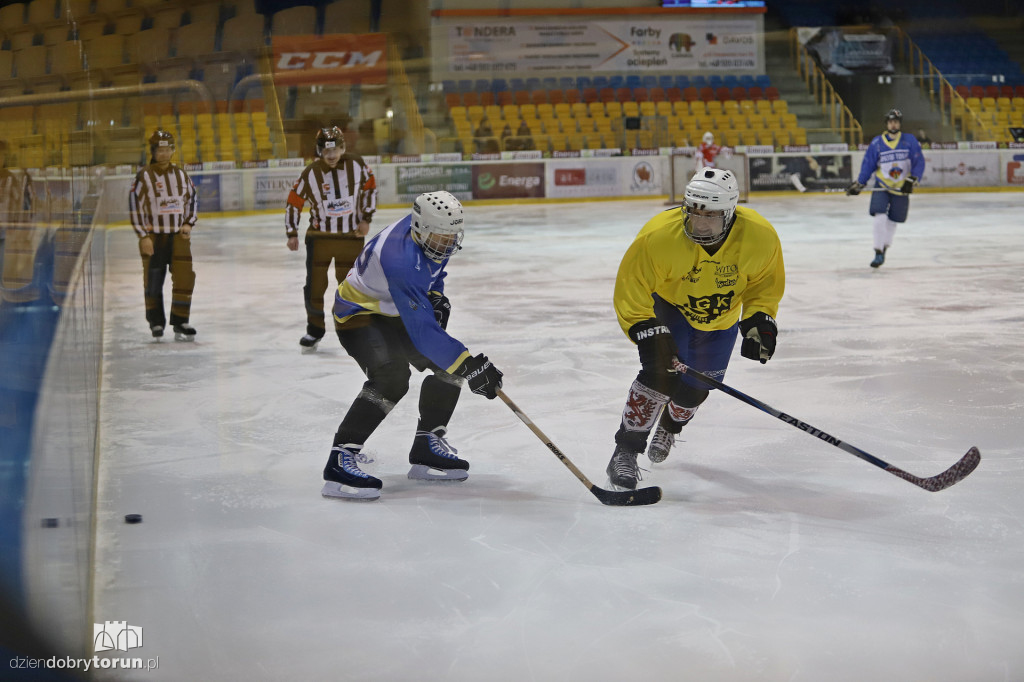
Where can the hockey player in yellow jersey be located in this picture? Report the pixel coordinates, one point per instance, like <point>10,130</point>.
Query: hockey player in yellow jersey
<point>693,277</point>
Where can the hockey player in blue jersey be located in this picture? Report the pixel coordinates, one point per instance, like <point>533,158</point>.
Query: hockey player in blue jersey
<point>390,313</point>
<point>896,162</point>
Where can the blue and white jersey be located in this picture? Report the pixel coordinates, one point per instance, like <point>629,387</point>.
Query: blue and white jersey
<point>892,160</point>
<point>392,277</point>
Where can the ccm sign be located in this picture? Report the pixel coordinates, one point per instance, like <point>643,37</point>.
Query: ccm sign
<point>324,60</point>
<point>341,58</point>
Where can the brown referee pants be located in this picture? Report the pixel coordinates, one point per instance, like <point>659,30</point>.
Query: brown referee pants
<point>174,252</point>
<point>321,249</point>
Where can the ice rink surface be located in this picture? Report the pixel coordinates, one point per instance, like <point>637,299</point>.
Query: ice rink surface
<point>772,556</point>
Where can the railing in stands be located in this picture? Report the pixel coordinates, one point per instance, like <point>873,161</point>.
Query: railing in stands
<point>953,108</point>
<point>841,119</point>
<point>416,131</point>
<point>264,77</point>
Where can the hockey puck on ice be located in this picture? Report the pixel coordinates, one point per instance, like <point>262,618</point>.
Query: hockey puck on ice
<point>51,523</point>
<point>133,518</point>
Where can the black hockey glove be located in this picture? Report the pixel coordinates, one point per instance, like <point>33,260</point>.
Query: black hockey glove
<point>483,377</point>
<point>759,332</point>
<point>908,185</point>
<point>654,343</point>
<point>854,189</point>
<point>442,308</point>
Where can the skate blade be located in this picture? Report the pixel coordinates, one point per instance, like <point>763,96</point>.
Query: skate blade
<point>184,337</point>
<point>308,350</point>
<point>347,492</point>
<point>620,488</point>
<point>421,472</point>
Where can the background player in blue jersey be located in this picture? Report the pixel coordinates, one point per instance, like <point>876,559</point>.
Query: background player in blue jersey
<point>896,162</point>
<point>390,313</point>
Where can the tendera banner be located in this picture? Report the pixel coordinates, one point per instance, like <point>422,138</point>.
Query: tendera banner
<point>337,58</point>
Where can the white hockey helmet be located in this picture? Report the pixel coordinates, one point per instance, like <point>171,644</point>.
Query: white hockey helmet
<point>437,224</point>
<point>709,205</point>
<point>708,138</point>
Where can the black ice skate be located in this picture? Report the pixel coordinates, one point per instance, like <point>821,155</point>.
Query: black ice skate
<point>309,343</point>
<point>433,459</point>
<point>879,257</point>
<point>623,471</point>
<point>184,332</point>
<point>343,477</point>
<point>661,443</point>
<point>157,331</point>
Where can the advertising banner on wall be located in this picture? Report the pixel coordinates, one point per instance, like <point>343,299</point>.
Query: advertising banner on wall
<point>208,191</point>
<point>643,176</point>
<point>271,189</point>
<point>962,169</point>
<point>508,180</point>
<point>1012,163</point>
<point>508,46</point>
<point>567,178</point>
<point>786,172</point>
<point>336,58</point>
<point>411,181</point>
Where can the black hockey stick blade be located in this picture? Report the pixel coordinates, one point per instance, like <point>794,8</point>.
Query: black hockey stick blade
<point>627,498</point>
<point>614,498</point>
<point>954,474</point>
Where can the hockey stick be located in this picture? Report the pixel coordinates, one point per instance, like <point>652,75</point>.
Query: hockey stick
<point>954,474</point>
<point>615,498</point>
<point>796,182</point>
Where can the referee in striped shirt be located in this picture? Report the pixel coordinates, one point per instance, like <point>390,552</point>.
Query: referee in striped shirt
<point>342,196</point>
<point>162,205</point>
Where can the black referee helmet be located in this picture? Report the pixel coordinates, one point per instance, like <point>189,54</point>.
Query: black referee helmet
<point>329,138</point>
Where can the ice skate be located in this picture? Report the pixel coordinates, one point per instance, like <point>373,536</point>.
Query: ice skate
<point>184,332</point>
<point>157,331</point>
<point>879,257</point>
<point>661,443</point>
<point>344,479</point>
<point>309,343</point>
<point>433,459</point>
<point>623,471</point>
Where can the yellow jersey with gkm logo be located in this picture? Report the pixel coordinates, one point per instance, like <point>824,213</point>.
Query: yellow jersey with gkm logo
<point>162,201</point>
<point>746,275</point>
<point>339,198</point>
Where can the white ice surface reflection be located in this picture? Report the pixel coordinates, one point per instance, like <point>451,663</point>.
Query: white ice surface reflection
<point>773,556</point>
